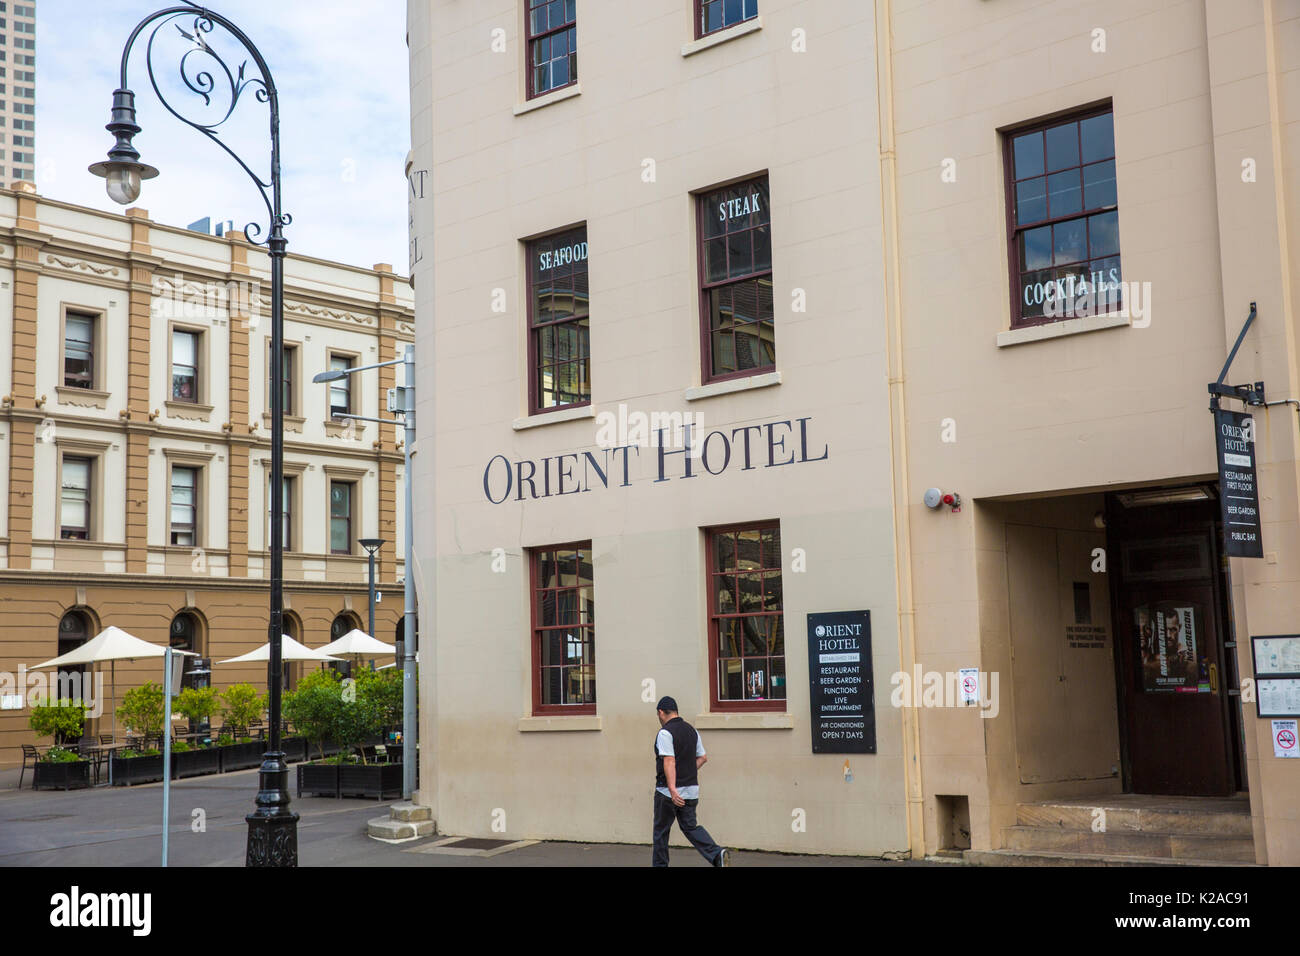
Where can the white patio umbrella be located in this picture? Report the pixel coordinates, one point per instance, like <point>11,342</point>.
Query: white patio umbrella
<point>112,644</point>
<point>356,644</point>
<point>290,650</point>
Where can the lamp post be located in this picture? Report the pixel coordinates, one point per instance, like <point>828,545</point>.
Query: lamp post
<point>372,545</point>
<point>272,827</point>
<point>401,400</point>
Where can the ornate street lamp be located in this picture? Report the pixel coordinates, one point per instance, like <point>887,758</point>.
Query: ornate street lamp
<point>272,827</point>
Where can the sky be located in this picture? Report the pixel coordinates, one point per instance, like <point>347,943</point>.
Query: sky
<point>340,68</point>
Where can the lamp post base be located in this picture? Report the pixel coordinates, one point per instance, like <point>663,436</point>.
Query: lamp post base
<point>272,827</point>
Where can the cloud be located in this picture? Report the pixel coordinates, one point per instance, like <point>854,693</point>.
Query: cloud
<point>340,70</point>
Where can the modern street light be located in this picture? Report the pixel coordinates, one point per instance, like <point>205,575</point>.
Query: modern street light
<point>272,827</point>
<point>401,401</point>
<point>372,545</point>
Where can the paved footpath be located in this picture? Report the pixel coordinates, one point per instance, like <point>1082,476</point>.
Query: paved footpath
<point>121,826</point>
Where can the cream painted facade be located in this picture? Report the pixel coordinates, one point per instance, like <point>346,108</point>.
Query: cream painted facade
<point>883,145</point>
<point>138,281</point>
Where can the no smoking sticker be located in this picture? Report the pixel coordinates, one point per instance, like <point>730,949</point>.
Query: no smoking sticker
<point>1284,738</point>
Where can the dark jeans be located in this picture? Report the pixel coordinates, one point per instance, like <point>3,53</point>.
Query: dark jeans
<point>665,813</point>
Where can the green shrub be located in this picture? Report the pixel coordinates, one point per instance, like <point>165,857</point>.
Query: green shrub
<point>132,754</point>
<point>196,703</point>
<point>225,740</point>
<point>181,746</point>
<point>142,709</point>
<point>60,755</point>
<point>62,720</point>
<point>242,705</point>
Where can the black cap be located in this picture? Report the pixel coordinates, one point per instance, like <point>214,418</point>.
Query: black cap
<point>667,705</point>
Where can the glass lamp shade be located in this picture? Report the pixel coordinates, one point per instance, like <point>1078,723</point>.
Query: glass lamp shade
<point>122,184</point>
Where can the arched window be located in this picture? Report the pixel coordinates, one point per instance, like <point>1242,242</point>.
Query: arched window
<point>187,635</point>
<point>343,623</point>
<point>74,630</point>
<point>291,671</point>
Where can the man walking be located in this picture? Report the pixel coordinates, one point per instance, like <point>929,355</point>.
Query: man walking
<point>679,754</point>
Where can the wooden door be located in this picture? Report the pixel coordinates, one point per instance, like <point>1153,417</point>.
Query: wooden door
<point>1169,638</point>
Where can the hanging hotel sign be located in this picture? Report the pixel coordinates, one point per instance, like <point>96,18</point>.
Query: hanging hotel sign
<point>1234,438</point>
<point>839,676</point>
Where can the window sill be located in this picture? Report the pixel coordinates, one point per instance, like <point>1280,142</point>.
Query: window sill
<point>722,36</point>
<point>292,423</point>
<point>189,411</point>
<point>1054,330</point>
<point>732,385</point>
<point>550,418</point>
<point>582,722</point>
<point>546,99</point>
<point>750,721</point>
<point>337,430</point>
<point>81,397</point>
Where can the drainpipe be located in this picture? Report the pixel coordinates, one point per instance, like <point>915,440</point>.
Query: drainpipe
<point>900,480</point>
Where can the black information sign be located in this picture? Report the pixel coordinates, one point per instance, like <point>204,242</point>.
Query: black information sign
<point>839,677</point>
<point>1234,440</point>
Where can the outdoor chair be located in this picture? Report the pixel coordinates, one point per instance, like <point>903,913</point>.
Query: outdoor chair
<point>30,753</point>
<point>106,740</point>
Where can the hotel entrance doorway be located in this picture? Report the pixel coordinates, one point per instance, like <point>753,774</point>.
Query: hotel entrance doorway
<point>1180,725</point>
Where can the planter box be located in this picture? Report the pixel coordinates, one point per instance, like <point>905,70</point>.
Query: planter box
<point>382,781</point>
<point>132,770</point>
<point>295,748</point>
<point>74,775</point>
<point>242,756</point>
<point>321,779</point>
<point>195,763</point>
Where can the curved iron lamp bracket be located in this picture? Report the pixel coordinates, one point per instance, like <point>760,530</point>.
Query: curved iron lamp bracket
<point>203,78</point>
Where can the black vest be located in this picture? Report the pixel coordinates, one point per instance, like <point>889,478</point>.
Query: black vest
<point>684,746</point>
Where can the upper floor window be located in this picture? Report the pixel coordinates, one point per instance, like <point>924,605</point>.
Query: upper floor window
<point>746,627</point>
<point>341,495</point>
<point>290,358</point>
<point>552,45</point>
<point>564,630</point>
<point>714,15</point>
<point>184,505</point>
<point>287,526</point>
<point>185,365</point>
<point>79,350</point>
<point>340,391</point>
<point>736,281</point>
<point>1064,220</point>
<point>75,503</point>
<point>559,345</point>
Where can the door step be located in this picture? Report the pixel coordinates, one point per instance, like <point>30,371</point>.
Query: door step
<point>1047,858</point>
<point>1117,829</point>
<point>405,822</point>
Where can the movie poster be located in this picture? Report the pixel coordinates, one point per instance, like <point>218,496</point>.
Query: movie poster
<point>1168,643</point>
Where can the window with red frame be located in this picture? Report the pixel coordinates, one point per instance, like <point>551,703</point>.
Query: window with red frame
<point>736,281</point>
<point>1064,219</point>
<point>552,45</point>
<point>714,15</point>
<point>746,629</point>
<point>564,629</point>
<point>559,344</point>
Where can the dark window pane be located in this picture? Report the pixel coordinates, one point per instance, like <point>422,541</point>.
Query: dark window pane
<point>1027,151</point>
<point>1031,200</point>
<point>730,680</point>
<point>1069,242</point>
<point>715,260</point>
<point>1064,195</point>
<point>740,253</point>
<point>1099,185</point>
<point>1062,147</point>
<point>731,12</point>
<point>1103,234</point>
<point>1036,248</point>
<point>1032,295</point>
<point>724,551</point>
<point>762,249</point>
<point>1098,135</point>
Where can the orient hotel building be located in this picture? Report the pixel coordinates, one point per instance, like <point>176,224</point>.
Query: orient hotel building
<point>749,324</point>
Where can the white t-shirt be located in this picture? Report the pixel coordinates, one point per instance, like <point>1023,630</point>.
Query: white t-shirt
<point>664,747</point>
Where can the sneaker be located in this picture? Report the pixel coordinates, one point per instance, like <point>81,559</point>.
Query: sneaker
<point>724,858</point>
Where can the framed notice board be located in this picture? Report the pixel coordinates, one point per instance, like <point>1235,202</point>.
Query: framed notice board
<point>1277,674</point>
